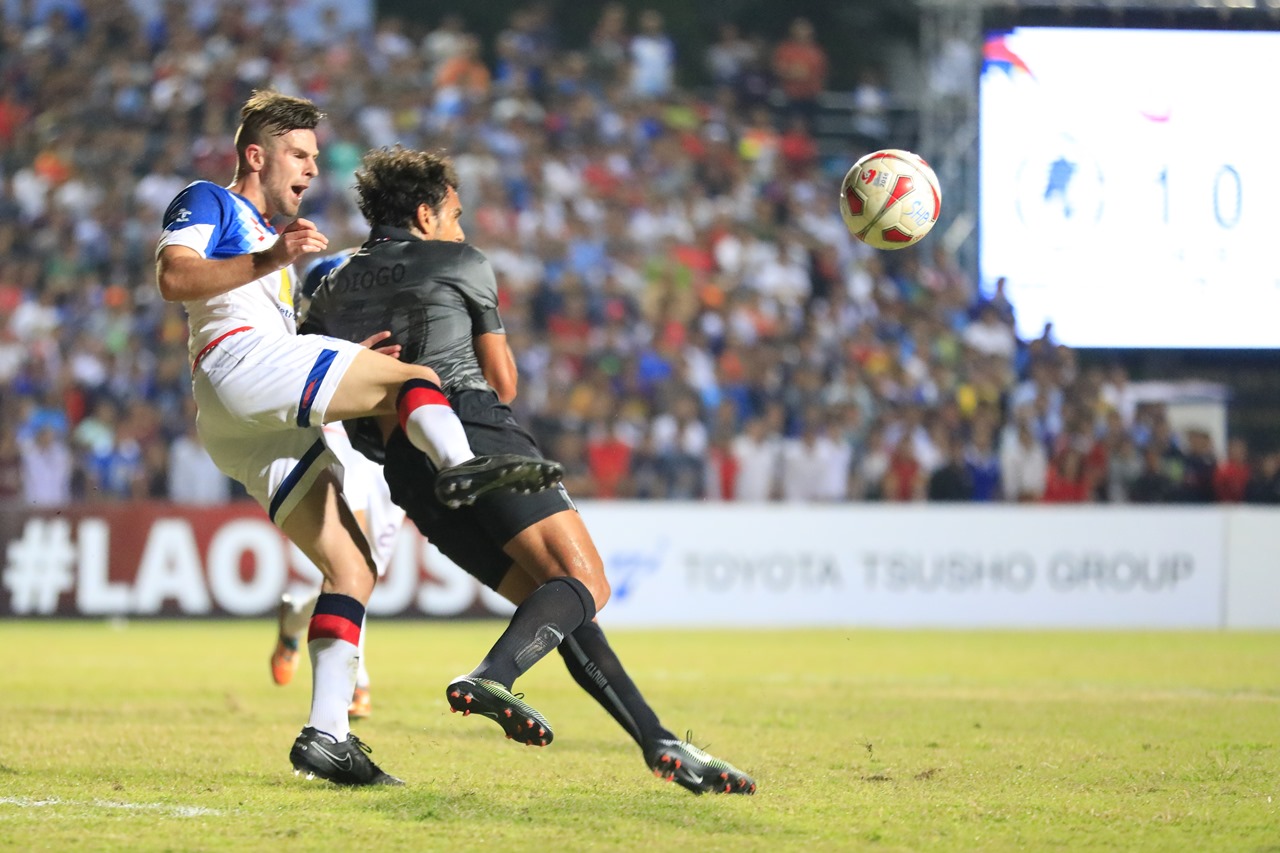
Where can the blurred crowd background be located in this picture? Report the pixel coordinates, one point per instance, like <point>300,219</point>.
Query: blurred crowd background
<point>690,316</point>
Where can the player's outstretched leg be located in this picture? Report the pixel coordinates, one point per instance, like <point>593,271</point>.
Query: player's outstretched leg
<point>519,719</point>
<point>596,668</point>
<point>345,762</point>
<point>462,484</point>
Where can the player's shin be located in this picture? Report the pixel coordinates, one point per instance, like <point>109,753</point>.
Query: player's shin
<point>550,613</point>
<point>334,645</point>
<point>596,668</point>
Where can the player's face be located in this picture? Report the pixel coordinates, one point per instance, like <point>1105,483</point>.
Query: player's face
<point>448,221</point>
<point>288,167</point>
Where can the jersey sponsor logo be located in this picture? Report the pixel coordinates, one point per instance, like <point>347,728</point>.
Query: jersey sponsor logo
<point>181,216</point>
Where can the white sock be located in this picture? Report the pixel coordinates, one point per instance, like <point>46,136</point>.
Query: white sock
<point>333,680</point>
<point>362,674</point>
<point>431,424</point>
<point>437,432</point>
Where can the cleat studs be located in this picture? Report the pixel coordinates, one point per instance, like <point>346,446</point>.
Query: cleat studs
<point>466,713</point>
<point>726,789</point>
<point>452,710</point>
<point>665,759</point>
<point>724,776</point>
<point>529,723</point>
<point>507,711</point>
<point>542,743</point>
<point>677,764</point>
<point>455,694</point>
<point>541,732</point>
<point>468,698</point>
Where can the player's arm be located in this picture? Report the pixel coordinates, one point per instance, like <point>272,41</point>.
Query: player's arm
<point>183,273</point>
<point>479,289</point>
<point>497,363</point>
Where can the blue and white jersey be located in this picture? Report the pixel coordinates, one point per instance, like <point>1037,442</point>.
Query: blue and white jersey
<point>217,223</point>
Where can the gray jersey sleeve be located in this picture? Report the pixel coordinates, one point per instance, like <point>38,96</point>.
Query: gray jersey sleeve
<point>474,279</point>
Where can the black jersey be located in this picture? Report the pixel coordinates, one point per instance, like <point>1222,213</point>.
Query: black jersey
<point>433,296</point>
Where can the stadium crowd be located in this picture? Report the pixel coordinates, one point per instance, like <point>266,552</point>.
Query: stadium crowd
<point>691,318</point>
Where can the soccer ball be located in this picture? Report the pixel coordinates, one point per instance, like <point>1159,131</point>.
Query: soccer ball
<point>890,199</point>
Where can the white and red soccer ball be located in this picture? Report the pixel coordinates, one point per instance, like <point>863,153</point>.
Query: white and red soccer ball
<point>890,199</point>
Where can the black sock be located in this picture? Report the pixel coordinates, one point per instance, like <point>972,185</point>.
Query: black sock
<point>552,612</point>
<point>593,664</point>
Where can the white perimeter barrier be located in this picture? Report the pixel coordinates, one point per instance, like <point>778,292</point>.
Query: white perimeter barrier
<point>704,565</point>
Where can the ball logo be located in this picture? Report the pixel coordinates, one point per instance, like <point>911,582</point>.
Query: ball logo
<point>868,175</point>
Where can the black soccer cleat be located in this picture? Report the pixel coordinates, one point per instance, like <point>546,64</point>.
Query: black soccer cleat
<point>518,719</point>
<point>344,763</point>
<point>462,484</point>
<point>696,770</point>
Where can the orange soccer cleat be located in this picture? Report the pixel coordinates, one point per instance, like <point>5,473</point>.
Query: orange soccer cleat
<point>361,706</point>
<point>284,660</point>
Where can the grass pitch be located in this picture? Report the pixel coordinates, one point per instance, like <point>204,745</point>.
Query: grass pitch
<point>171,736</point>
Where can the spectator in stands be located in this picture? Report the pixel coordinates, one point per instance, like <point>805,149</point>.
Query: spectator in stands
<point>951,481</point>
<point>1231,477</point>
<point>982,463</point>
<point>990,336</point>
<point>1067,479</point>
<point>729,55</point>
<point>1264,484</point>
<point>653,57</point>
<point>1024,463</point>
<point>905,479</point>
<point>815,464</point>
<point>1199,466</point>
<point>757,453</point>
<point>1153,485</point>
<point>800,65</point>
<point>192,476</point>
<point>1124,466</point>
<point>46,469</point>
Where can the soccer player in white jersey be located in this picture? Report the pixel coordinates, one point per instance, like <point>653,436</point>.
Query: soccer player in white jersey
<point>367,494</point>
<point>263,392</point>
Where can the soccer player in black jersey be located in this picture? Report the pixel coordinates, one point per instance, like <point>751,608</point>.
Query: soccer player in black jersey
<point>438,296</point>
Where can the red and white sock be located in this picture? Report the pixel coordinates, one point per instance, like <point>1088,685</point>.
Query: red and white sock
<point>334,645</point>
<point>431,424</point>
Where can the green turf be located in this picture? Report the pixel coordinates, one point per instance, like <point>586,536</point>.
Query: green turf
<point>170,736</point>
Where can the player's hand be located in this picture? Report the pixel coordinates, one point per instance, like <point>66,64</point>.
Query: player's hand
<point>373,340</point>
<point>300,237</point>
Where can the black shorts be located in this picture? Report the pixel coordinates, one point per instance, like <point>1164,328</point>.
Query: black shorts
<point>472,536</point>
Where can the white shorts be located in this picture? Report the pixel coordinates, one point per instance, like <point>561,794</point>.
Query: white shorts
<point>261,400</point>
<point>366,490</point>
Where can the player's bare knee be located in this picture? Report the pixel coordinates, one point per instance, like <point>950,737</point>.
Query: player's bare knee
<point>423,372</point>
<point>598,584</point>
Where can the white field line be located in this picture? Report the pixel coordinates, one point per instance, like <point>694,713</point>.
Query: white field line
<point>160,808</point>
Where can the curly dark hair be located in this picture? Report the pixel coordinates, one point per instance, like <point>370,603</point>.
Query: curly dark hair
<point>392,182</point>
<point>268,114</point>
